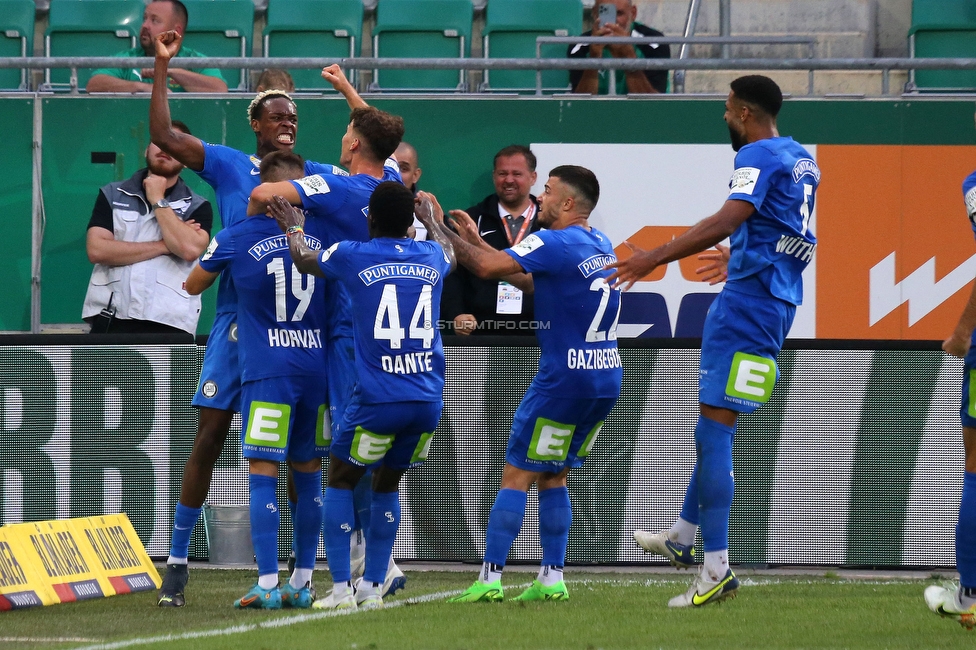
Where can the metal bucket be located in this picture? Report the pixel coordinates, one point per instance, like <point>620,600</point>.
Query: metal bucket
<point>228,531</point>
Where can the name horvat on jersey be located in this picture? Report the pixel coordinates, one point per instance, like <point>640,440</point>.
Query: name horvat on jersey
<point>602,359</point>
<point>379,272</point>
<point>407,364</point>
<point>283,338</point>
<point>798,247</point>
<point>596,263</point>
<point>278,243</point>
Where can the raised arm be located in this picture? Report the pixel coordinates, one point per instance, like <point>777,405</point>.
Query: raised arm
<point>262,194</point>
<point>704,234</point>
<point>335,76</point>
<point>430,213</point>
<point>291,220</point>
<point>182,146</point>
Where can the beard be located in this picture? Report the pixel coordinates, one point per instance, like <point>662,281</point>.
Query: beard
<point>738,141</point>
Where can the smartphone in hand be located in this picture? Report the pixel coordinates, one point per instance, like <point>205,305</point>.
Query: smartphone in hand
<point>606,14</point>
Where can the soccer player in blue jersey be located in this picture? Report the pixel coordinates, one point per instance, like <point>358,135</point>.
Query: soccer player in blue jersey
<point>341,203</point>
<point>556,425</point>
<point>280,323</point>
<point>960,603</point>
<point>232,174</point>
<point>394,284</point>
<point>767,216</point>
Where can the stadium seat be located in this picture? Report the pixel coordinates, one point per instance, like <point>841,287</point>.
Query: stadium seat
<point>313,28</point>
<point>16,40</point>
<point>422,29</point>
<point>89,28</point>
<point>221,28</point>
<point>511,27</point>
<point>943,29</point>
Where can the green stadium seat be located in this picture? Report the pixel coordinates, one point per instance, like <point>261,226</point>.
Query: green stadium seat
<point>221,28</point>
<point>511,27</point>
<point>422,29</point>
<point>313,28</point>
<point>16,39</point>
<point>943,29</point>
<point>89,28</point>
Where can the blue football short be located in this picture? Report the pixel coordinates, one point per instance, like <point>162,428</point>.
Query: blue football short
<point>968,410</point>
<point>220,376</point>
<point>742,336</point>
<point>551,433</point>
<point>285,418</point>
<point>341,364</point>
<point>395,435</point>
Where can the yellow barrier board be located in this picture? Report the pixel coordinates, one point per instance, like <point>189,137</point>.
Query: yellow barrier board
<point>78,559</point>
<point>20,584</point>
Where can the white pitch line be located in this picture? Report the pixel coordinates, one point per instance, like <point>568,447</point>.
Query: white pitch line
<point>54,639</point>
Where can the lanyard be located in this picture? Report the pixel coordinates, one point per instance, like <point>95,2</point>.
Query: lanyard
<point>526,225</point>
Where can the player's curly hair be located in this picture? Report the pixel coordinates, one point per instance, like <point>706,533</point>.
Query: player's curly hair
<point>256,107</point>
<point>381,131</point>
<point>760,91</point>
<point>391,209</point>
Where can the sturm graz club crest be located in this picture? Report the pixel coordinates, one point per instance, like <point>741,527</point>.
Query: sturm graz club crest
<point>209,389</point>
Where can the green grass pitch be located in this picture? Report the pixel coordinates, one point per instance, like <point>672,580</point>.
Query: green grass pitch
<point>605,610</point>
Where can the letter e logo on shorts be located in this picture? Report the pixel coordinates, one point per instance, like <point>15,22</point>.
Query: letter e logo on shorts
<point>267,425</point>
<point>587,446</point>
<point>423,448</point>
<point>550,440</point>
<point>751,378</point>
<point>368,447</point>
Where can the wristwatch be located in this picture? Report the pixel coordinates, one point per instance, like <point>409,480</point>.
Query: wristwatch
<point>161,203</point>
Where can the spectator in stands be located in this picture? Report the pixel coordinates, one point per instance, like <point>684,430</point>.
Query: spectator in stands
<point>275,79</point>
<point>503,219</point>
<point>160,16</point>
<point>597,82</point>
<point>144,236</point>
<point>410,172</point>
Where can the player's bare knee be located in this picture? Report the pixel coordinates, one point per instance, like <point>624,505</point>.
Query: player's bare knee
<point>343,475</point>
<point>386,479</point>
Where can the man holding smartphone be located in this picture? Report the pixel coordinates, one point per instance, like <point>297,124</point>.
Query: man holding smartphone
<point>617,18</point>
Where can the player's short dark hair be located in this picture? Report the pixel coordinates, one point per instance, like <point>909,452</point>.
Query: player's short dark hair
<point>381,131</point>
<point>180,126</point>
<point>391,209</point>
<point>759,91</point>
<point>256,108</point>
<point>182,16</point>
<point>582,180</point>
<point>516,150</point>
<point>281,166</point>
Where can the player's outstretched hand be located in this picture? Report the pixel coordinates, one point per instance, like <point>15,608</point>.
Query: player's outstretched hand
<point>285,213</point>
<point>956,345</point>
<point>718,270</point>
<point>428,209</point>
<point>335,76</point>
<point>631,269</point>
<point>466,228</point>
<point>168,44</point>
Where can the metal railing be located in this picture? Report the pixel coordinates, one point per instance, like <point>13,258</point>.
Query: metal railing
<point>885,65</point>
<point>679,82</point>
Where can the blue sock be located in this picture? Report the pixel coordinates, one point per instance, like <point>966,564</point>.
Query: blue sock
<point>504,524</point>
<point>362,496</point>
<point>715,482</point>
<point>338,514</point>
<point>966,533</point>
<point>555,518</point>
<point>184,519</point>
<point>265,519</point>
<point>307,517</point>
<point>689,509</point>
<point>382,534</point>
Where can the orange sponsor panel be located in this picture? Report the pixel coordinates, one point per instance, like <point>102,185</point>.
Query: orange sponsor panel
<point>895,251</point>
<point>650,237</point>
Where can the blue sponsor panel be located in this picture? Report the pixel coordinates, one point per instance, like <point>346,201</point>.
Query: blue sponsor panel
<point>645,315</point>
<point>19,600</point>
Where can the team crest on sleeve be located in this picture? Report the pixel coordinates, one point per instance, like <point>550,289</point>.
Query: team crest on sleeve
<point>971,203</point>
<point>744,180</point>
<point>211,249</point>
<point>313,185</point>
<point>527,245</point>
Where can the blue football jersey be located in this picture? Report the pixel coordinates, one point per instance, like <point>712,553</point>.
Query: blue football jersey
<point>395,287</point>
<point>773,246</point>
<point>576,311</point>
<point>281,313</point>
<point>233,175</point>
<point>969,196</point>
<point>342,203</point>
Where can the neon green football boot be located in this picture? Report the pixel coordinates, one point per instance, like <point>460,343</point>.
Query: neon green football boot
<point>538,591</point>
<point>480,592</point>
